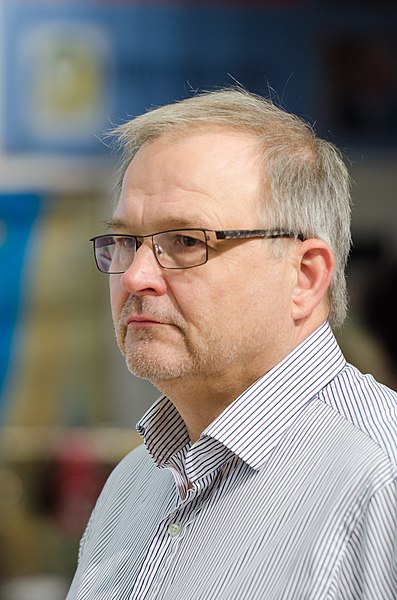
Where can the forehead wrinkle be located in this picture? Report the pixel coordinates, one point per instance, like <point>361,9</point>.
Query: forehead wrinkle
<point>157,196</point>
<point>168,222</point>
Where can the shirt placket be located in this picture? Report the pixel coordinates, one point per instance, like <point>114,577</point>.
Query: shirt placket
<point>151,583</point>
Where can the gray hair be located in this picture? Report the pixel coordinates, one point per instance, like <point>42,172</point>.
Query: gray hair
<point>306,179</point>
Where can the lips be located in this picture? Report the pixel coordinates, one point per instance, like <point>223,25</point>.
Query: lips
<point>142,321</point>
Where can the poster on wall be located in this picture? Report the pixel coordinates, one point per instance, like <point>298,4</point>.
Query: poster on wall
<point>58,75</point>
<point>72,70</point>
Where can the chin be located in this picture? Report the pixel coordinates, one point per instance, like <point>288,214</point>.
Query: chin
<point>154,372</point>
<point>155,365</point>
<point>161,360</point>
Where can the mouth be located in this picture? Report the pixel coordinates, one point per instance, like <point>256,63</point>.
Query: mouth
<point>139,321</point>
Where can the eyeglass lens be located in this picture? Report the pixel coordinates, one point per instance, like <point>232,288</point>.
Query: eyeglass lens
<point>178,249</point>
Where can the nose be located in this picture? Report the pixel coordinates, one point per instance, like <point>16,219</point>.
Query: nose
<point>144,276</point>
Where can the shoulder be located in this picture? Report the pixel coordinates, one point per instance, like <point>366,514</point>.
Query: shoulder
<point>129,485</point>
<point>368,406</point>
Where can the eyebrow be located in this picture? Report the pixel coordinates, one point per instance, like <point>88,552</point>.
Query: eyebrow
<point>115,224</point>
<point>167,223</point>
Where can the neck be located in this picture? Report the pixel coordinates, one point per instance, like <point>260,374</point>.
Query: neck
<point>200,401</point>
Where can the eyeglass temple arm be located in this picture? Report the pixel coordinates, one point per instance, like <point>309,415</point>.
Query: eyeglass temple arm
<point>260,233</point>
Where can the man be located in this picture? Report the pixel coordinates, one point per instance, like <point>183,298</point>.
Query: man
<point>268,469</point>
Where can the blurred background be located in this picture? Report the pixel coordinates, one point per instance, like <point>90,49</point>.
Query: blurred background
<point>69,70</point>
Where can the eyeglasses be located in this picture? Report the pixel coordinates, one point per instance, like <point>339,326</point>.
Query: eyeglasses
<point>173,249</point>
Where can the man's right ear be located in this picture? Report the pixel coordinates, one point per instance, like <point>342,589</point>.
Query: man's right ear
<point>315,267</point>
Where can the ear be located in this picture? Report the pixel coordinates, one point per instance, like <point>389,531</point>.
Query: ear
<point>314,269</point>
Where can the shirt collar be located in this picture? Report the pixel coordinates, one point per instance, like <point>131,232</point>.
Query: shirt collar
<point>163,430</point>
<point>255,422</point>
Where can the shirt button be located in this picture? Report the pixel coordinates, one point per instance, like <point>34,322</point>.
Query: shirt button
<point>174,529</point>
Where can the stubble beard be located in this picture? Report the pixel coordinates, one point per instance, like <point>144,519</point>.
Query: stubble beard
<point>147,359</point>
<point>209,356</point>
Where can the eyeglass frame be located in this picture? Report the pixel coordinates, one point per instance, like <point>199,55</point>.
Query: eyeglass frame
<point>229,234</point>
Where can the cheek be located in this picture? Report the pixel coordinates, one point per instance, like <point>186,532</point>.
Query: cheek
<point>194,297</point>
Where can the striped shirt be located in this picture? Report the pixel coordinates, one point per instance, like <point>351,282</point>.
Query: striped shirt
<point>292,495</point>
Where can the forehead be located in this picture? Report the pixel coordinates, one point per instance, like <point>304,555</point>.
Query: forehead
<point>199,180</point>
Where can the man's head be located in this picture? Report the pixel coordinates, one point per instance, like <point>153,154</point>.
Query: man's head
<point>221,161</point>
<point>306,186</point>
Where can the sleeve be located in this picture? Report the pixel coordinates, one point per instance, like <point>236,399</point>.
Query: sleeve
<point>369,566</point>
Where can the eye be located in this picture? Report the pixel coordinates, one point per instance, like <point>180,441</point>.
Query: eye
<point>124,242</point>
<point>193,240</point>
<point>104,241</point>
<point>181,243</point>
<point>188,241</point>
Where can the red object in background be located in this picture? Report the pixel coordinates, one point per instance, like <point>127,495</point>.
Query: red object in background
<point>78,478</point>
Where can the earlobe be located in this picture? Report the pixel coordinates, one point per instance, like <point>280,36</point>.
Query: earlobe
<point>314,269</point>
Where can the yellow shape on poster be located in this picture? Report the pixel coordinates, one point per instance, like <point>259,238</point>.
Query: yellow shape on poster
<point>69,79</point>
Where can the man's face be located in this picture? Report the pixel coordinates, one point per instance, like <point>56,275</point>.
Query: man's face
<point>228,318</point>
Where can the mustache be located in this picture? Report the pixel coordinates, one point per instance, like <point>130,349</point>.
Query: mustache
<point>144,305</point>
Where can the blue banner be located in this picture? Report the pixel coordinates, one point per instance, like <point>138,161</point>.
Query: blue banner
<point>18,213</point>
